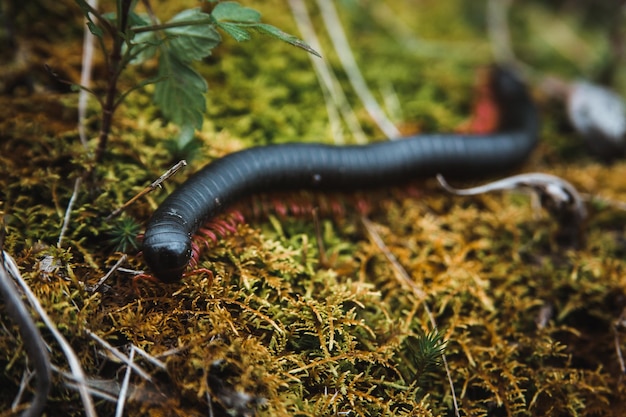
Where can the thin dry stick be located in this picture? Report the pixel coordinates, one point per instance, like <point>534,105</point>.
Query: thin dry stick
<point>340,43</point>
<point>333,117</point>
<point>68,212</point>
<point>498,26</point>
<point>328,81</point>
<point>85,78</point>
<point>405,280</point>
<point>108,274</point>
<point>27,375</point>
<point>121,399</point>
<point>150,358</point>
<point>72,359</point>
<point>156,184</point>
<point>618,350</point>
<point>391,100</point>
<point>33,343</point>
<point>303,21</point>
<point>500,36</point>
<point>119,355</point>
<point>105,389</point>
<point>131,271</point>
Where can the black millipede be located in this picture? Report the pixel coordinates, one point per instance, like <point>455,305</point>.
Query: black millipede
<point>167,241</point>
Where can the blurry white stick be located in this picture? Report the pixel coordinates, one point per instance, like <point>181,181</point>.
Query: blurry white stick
<point>85,79</point>
<point>327,79</point>
<point>340,42</point>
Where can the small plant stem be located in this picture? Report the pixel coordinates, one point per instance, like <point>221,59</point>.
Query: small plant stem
<point>108,107</point>
<point>114,70</point>
<point>171,25</point>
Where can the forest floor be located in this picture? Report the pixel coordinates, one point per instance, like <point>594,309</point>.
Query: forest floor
<point>310,315</point>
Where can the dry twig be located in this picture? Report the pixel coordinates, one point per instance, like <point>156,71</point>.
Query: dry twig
<point>342,47</point>
<point>33,342</point>
<point>72,358</point>
<point>329,83</point>
<point>68,211</point>
<point>156,184</point>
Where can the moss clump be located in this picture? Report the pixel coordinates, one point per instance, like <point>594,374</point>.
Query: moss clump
<point>284,326</point>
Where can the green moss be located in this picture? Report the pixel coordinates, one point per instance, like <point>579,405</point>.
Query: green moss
<point>286,326</point>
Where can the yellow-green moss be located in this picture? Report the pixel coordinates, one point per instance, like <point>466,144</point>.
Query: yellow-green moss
<point>529,325</point>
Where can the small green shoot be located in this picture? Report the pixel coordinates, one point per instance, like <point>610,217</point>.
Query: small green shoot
<point>425,353</point>
<point>189,36</point>
<point>122,235</point>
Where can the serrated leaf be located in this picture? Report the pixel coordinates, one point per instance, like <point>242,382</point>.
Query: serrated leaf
<point>285,37</point>
<point>234,30</point>
<point>194,41</point>
<point>231,11</point>
<point>180,96</point>
<point>146,43</point>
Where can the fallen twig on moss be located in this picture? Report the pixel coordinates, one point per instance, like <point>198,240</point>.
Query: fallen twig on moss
<point>33,342</point>
<point>155,184</point>
<point>72,359</point>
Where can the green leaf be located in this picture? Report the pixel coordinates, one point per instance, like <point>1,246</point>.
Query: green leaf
<point>110,16</point>
<point>145,45</point>
<point>234,30</point>
<point>232,11</point>
<point>135,19</point>
<point>181,94</point>
<point>285,37</point>
<point>185,136</point>
<point>237,20</point>
<point>194,41</point>
<point>93,27</point>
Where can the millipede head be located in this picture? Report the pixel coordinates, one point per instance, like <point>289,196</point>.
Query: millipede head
<point>167,256</point>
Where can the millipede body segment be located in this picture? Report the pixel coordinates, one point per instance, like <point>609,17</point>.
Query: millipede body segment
<point>167,240</point>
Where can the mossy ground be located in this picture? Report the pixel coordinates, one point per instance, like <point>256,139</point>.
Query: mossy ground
<point>532,327</point>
